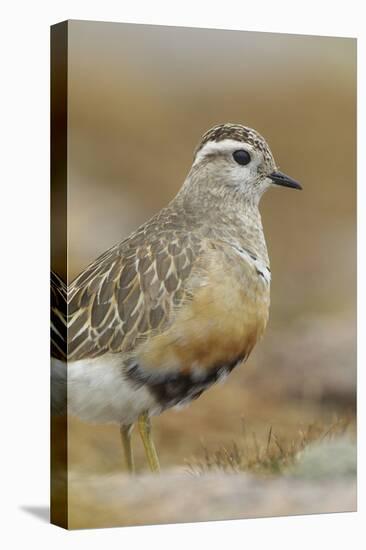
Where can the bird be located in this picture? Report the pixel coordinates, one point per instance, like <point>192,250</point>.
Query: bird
<point>169,311</point>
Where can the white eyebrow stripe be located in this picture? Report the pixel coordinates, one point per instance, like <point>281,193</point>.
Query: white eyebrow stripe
<point>223,146</point>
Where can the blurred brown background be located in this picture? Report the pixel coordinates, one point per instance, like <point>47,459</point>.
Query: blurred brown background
<point>140,97</point>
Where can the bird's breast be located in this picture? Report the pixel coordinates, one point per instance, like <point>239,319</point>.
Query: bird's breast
<point>220,324</point>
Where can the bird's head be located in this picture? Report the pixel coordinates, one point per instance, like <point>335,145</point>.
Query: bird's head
<point>232,159</point>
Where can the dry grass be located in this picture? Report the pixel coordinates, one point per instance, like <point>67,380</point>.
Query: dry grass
<point>266,456</point>
<point>213,467</point>
<point>257,475</point>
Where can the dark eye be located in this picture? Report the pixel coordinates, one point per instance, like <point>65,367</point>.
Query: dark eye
<point>241,157</point>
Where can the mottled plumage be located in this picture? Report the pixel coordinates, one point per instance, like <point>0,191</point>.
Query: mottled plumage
<point>172,309</point>
<point>130,291</point>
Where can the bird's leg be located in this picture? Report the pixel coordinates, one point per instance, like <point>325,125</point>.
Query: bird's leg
<point>126,432</point>
<point>145,432</point>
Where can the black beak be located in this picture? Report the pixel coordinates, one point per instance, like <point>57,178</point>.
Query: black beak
<point>279,178</point>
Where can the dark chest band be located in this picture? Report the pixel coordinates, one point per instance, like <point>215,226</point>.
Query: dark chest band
<point>174,388</point>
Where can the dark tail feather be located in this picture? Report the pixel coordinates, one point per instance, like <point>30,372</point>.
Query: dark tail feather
<point>58,317</point>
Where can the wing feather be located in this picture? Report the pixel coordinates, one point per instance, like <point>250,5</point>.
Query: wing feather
<point>129,292</point>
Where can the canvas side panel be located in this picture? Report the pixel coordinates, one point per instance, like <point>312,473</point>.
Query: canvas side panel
<point>59,56</point>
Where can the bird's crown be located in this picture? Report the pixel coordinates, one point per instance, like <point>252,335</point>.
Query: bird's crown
<point>236,132</point>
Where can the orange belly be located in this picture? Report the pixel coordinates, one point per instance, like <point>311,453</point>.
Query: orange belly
<point>220,325</point>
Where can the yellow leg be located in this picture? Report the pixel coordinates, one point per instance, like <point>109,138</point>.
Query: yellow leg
<point>145,432</point>
<point>127,447</point>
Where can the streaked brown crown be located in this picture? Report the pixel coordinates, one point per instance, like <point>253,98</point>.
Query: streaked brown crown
<point>237,132</point>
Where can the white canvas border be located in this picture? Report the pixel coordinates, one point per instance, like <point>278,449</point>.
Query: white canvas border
<point>24,224</point>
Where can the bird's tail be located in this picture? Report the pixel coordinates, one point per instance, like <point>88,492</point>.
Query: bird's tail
<point>58,345</point>
<point>58,317</point>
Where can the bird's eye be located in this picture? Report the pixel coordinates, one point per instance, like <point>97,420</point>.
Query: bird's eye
<point>241,157</point>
